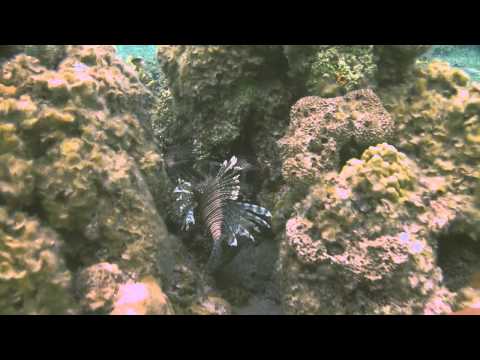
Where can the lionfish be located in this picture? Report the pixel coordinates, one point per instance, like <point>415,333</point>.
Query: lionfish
<point>213,202</point>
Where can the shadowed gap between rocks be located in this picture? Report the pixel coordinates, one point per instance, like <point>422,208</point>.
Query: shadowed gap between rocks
<point>459,258</point>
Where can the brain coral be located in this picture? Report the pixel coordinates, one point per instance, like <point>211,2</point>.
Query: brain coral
<point>358,243</point>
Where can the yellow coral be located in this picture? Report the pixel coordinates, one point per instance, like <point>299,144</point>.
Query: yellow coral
<point>7,90</point>
<point>382,169</point>
<point>33,277</point>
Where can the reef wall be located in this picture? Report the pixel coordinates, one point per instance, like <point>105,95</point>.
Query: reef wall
<point>78,165</point>
<point>367,158</point>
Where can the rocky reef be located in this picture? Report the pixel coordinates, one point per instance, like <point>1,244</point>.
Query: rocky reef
<point>334,70</point>
<point>368,159</point>
<point>438,126</point>
<point>396,62</point>
<point>80,183</point>
<point>229,99</point>
<point>360,242</point>
<point>33,275</point>
<point>331,70</point>
<point>325,132</point>
<point>326,214</point>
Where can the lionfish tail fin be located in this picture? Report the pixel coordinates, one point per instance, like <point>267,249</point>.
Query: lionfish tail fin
<point>216,257</point>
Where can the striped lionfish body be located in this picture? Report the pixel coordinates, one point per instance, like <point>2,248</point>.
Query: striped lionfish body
<point>214,202</point>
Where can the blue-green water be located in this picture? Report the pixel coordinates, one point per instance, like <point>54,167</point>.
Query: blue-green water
<point>465,57</point>
<point>147,52</point>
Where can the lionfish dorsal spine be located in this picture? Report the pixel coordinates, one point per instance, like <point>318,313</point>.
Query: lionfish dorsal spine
<point>215,201</point>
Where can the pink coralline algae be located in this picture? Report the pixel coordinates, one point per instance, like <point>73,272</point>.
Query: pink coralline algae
<point>321,128</point>
<point>357,245</point>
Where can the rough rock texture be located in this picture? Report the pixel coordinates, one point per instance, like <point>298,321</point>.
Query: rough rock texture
<point>361,242</point>
<point>458,256</point>
<point>331,70</point>
<point>104,288</point>
<point>300,59</point>
<point>33,277</point>
<point>230,99</point>
<point>211,305</point>
<point>48,55</point>
<point>248,281</point>
<point>191,286</point>
<point>75,151</point>
<point>141,298</point>
<point>338,69</point>
<point>252,267</point>
<point>162,113</point>
<point>437,124</point>
<point>83,188</point>
<point>97,286</point>
<point>321,130</point>
<point>396,62</point>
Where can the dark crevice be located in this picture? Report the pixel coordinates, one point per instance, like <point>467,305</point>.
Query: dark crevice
<point>458,257</point>
<point>350,150</point>
<point>78,249</point>
<point>35,208</point>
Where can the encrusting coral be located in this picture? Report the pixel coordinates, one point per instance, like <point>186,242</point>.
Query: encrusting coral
<point>33,277</point>
<point>433,122</point>
<point>357,243</point>
<point>376,193</point>
<point>76,152</point>
<point>333,70</point>
<point>321,129</point>
<point>437,124</point>
<point>330,70</point>
<point>144,297</point>
<point>436,116</point>
<point>230,99</point>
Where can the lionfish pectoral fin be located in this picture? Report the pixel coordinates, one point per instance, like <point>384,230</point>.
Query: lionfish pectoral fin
<point>232,241</point>
<point>189,220</point>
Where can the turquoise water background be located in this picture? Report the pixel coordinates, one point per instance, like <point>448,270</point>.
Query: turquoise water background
<point>147,52</point>
<point>466,57</point>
